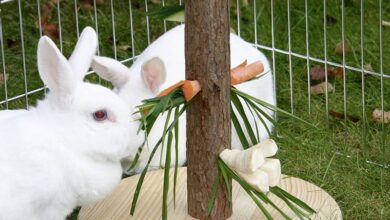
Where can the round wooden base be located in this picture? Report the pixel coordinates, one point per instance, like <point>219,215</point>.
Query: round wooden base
<point>117,206</point>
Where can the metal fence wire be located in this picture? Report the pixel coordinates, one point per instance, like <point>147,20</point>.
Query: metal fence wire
<point>297,37</point>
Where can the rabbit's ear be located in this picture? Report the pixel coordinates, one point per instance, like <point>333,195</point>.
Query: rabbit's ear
<point>111,70</point>
<point>153,73</point>
<point>54,68</point>
<point>85,49</point>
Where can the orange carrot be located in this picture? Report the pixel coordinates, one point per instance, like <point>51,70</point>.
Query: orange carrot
<point>190,88</point>
<point>169,89</point>
<point>241,65</point>
<point>241,74</point>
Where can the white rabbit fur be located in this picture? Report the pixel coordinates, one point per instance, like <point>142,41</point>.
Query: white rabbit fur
<point>56,156</point>
<point>161,65</point>
<point>5,114</point>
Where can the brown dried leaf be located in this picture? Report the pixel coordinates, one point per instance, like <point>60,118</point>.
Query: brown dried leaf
<point>2,78</point>
<point>330,20</point>
<point>124,47</point>
<point>321,88</point>
<point>317,72</point>
<point>377,116</point>
<point>368,67</point>
<point>339,48</point>
<point>51,30</point>
<point>46,12</point>
<point>336,72</point>
<point>85,4</point>
<point>99,2</point>
<point>341,115</point>
<point>12,43</point>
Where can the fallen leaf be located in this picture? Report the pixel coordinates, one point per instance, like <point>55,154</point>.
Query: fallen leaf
<point>377,116</point>
<point>124,47</point>
<point>336,72</point>
<point>46,12</point>
<point>321,88</point>
<point>51,30</point>
<point>2,78</point>
<point>317,72</point>
<point>368,67</point>
<point>85,4</point>
<point>341,115</point>
<point>385,23</point>
<point>12,43</point>
<point>339,48</point>
<point>99,2</point>
<point>330,20</point>
<point>54,2</point>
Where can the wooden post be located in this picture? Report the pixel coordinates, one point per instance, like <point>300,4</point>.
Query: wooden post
<point>207,57</point>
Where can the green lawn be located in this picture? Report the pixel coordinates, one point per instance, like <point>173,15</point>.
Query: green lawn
<point>319,156</point>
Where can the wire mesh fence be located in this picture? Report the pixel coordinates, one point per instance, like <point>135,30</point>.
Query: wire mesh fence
<point>296,36</point>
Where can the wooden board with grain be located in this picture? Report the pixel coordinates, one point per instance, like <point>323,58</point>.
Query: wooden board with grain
<point>117,206</point>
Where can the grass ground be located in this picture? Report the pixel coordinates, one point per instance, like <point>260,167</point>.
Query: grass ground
<point>319,156</point>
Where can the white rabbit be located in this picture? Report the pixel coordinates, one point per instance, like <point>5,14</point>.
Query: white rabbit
<point>66,151</point>
<point>161,65</point>
<point>5,114</point>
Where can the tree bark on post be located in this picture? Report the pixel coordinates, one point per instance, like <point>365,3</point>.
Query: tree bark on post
<point>207,55</point>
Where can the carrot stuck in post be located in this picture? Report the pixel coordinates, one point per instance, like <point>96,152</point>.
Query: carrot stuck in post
<point>190,89</point>
<point>243,72</point>
<point>171,88</point>
<point>239,74</point>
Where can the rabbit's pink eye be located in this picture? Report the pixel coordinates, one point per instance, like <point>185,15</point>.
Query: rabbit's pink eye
<point>100,115</point>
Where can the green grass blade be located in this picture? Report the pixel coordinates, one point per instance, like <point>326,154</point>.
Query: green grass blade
<point>136,158</point>
<point>166,178</point>
<point>164,134</point>
<point>163,12</point>
<point>261,207</point>
<point>240,109</point>
<point>239,130</point>
<point>297,211</point>
<point>252,108</point>
<point>143,173</point>
<point>226,179</point>
<point>263,197</point>
<point>176,129</point>
<point>213,194</point>
<point>178,17</point>
<point>141,179</point>
<point>295,200</point>
<point>275,123</point>
<point>271,107</point>
<point>254,119</point>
